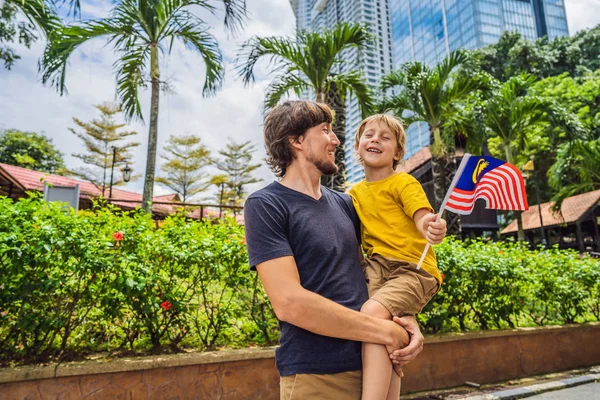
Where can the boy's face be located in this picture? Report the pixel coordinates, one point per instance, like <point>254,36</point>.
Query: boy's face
<point>377,146</point>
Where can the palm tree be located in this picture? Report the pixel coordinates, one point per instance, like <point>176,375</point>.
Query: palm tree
<point>434,96</point>
<point>141,31</point>
<point>511,115</point>
<point>312,61</point>
<point>576,170</point>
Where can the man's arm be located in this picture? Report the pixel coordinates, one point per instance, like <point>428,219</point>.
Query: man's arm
<point>305,309</point>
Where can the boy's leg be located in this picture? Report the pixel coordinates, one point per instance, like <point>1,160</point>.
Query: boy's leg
<point>394,390</point>
<point>377,367</point>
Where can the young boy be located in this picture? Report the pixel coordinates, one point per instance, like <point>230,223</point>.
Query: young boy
<point>396,223</point>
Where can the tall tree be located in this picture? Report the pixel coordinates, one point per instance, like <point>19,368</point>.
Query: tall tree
<point>30,150</point>
<point>235,162</point>
<point>101,137</point>
<point>312,62</point>
<point>433,96</point>
<point>185,160</point>
<point>221,181</point>
<point>514,55</point>
<point>141,31</point>
<point>513,115</point>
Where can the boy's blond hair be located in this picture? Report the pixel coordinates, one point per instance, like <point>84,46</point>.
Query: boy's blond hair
<point>395,126</point>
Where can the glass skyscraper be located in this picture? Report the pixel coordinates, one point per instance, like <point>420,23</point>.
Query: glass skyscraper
<point>314,15</point>
<point>427,30</point>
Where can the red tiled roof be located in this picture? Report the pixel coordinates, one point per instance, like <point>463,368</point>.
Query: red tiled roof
<point>34,180</point>
<point>572,209</point>
<point>417,160</point>
<point>168,197</point>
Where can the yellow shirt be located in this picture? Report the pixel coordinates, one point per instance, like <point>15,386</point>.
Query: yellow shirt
<point>386,209</point>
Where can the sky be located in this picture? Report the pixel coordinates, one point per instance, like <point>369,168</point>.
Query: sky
<point>235,112</point>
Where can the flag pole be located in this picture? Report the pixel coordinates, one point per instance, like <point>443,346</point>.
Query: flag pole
<point>457,175</point>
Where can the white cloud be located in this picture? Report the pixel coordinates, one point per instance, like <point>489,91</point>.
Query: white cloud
<point>582,14</point>
<point>234,112</point>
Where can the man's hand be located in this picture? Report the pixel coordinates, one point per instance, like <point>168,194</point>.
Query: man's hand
<point>400,337</point>
<point>415,346</point>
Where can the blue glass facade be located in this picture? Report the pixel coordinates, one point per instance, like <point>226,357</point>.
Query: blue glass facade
<point>427,30</point>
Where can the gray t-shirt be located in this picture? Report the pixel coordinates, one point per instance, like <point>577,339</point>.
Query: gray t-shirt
<point>323,237</point>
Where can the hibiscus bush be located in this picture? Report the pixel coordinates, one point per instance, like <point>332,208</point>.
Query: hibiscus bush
<point>76,282</point>
<point>73,282</point>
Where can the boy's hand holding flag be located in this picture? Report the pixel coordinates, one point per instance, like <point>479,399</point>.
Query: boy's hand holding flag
<point>499,183</point>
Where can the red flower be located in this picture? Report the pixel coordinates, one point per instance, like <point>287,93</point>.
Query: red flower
<point>118,236</point>
<point>443,276</point>
<point>166,305</point>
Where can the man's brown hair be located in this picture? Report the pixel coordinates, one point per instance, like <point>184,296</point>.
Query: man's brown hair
<point>290,120</point>
<point>395,126</point>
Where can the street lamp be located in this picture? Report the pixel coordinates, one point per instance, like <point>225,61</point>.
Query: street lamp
<point>126,171</point>
<point>530,167</point>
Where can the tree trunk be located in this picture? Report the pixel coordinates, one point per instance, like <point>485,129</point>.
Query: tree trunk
<point>337,181</point>
<point>443,169</point>
<point>152,133</point>
<point>520,231</point>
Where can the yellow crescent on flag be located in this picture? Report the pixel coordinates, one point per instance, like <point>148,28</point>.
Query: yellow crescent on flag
<point>479,168</point>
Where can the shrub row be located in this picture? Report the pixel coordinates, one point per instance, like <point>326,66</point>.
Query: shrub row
<point>106,280</point>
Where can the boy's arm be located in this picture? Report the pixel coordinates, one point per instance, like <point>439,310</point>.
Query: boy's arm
<point>431,230</point>
<point>307,310</point>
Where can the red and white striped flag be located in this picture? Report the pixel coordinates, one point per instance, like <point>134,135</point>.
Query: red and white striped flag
<point>481,177</point>
<point>499,183</point>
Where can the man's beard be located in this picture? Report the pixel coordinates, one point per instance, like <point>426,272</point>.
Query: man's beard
<point>326,167</point>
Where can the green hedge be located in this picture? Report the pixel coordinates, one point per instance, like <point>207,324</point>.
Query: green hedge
<point>68,286</point>
<point>496,285</point>
<point>72,283</point>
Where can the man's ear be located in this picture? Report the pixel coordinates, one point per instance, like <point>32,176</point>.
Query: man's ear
<point>297,141</point>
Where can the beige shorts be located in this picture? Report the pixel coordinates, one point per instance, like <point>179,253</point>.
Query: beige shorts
<point>342,386</point>
<point>398,285</point>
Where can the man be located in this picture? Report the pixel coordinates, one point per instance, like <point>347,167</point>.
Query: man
<point>303,239</point>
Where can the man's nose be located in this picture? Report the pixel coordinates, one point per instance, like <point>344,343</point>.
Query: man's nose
<point>334,139</point>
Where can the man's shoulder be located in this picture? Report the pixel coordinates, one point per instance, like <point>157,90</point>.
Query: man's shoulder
<point>268,192</point>
<point>339,196</point>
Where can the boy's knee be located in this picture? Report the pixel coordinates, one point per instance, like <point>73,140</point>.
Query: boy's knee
<point>375,309</point>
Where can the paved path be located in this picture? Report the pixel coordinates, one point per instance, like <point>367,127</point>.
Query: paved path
<point>591,391</point>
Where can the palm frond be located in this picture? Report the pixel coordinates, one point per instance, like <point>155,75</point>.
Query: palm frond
<point>39,13</point>
<point>282,52</point>
<point>235,14</point>
<point>353,83</point>
<point>279,88</point>
<point>195,35</point>
<point>130,75</point>
<point>61,44</point>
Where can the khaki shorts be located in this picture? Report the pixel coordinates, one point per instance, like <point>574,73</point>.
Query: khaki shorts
<point>398,285</point>
<point>342,386</point>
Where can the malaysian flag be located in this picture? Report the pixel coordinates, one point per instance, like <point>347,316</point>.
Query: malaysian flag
<point>499,183</point>
<point>481,177</point>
